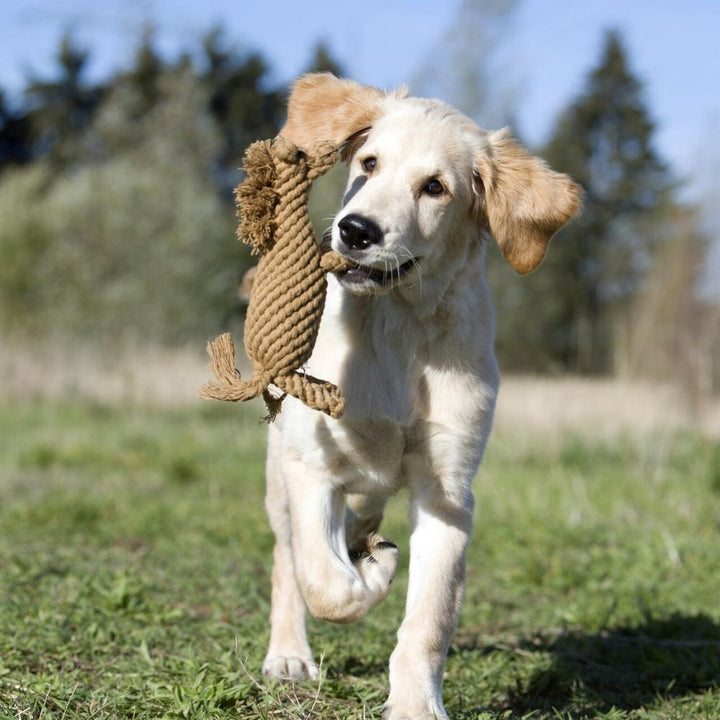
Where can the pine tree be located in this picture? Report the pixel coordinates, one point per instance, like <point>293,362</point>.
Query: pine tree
<point>62,108</point>
<point>323,61</point>
<point>145,76</point>
<point>241,103</point>
<point>595,267</point>
<point>14,135</point>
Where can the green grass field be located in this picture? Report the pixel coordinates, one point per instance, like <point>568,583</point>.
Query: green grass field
<point>134,576</point>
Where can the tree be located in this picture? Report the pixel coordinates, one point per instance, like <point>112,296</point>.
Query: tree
<point>136,246</point>
<point>146,74</point>
<point>242,105</point>
<point>61,109</point>
<point>121,218</point>
<point>466,67</point>
<point>323,61</point>
<point>595,267</point>
<point>14,135</point>
<point>671,332</point>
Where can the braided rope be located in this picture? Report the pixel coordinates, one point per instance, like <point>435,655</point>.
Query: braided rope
<point>288,294</point>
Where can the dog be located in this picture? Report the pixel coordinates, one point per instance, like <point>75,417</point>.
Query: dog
<point>407,334</point>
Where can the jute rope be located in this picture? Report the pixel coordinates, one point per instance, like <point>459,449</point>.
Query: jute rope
<point>288,293</point>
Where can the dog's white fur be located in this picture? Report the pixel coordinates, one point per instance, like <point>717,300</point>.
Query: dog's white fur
<point>413,354</point>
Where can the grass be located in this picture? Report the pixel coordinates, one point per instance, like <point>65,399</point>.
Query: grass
<point>134,576</point>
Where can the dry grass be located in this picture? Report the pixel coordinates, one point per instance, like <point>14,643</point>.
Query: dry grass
<point>600,407</point>
<point>146,375</point>
<point>586,407</point>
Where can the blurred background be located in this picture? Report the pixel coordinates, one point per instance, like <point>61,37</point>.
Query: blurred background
<point>123,124</point>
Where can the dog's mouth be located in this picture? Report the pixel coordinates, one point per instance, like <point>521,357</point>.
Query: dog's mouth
<point>365,275</point>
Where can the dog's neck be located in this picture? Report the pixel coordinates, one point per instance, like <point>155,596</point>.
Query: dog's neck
<point>389,341</point>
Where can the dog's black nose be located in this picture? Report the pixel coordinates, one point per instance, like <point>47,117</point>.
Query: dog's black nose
<point>358,232</point>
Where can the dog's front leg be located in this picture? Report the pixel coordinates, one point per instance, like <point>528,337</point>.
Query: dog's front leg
<point>441,527</point>
<point>337,584</point>
<point>289,655</point>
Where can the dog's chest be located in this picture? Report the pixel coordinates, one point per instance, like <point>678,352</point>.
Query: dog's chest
<point>365,456</point>
<point>380,387</point>
<point>383,396</point>
<point>375,357</point>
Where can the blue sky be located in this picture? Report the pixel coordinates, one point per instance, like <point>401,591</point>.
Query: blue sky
<point>550,47</point>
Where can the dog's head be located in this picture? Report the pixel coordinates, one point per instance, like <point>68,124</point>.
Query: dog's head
<point>422,178</point>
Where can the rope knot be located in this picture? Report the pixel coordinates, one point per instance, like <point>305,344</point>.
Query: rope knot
<point>282,149</point>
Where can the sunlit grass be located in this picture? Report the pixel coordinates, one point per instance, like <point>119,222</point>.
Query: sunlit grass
<point>135,561</point>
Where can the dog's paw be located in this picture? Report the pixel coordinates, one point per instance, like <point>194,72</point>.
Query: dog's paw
<point>390,712</point>
<point>285,667</point>
<point>376,560</point>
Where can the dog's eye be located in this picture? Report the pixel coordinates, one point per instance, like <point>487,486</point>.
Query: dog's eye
<point>434,187</point>
<point>368,164</point>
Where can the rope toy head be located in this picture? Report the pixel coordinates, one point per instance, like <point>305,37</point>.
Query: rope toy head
<point>288,292</point>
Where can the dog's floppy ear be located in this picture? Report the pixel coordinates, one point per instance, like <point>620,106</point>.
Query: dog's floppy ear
<point>525,202</point>
<point>324,107</point>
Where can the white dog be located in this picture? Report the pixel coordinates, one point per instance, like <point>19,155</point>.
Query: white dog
<point>408,337</point>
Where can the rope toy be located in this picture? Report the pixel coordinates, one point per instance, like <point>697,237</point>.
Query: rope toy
<point>288,290</point>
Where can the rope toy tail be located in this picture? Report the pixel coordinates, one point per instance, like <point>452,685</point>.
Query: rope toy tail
<point>229,385</point>
<point>288,293</point>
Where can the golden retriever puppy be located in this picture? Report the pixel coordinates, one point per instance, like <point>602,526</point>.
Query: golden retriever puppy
<point>408,337</point>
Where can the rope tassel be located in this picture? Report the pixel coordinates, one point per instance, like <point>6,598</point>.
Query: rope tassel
<point>229,385</point>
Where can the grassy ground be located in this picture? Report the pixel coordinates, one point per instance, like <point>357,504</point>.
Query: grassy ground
<point>134,576</point>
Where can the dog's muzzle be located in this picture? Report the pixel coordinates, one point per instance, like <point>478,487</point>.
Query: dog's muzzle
<point>358,232</point>
<point>363,233</point>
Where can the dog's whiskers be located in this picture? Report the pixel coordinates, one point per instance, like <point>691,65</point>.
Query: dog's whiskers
<point>405,251</point>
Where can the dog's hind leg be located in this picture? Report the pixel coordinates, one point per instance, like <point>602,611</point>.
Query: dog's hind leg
<point>289,655</point>
<point>363,516</point>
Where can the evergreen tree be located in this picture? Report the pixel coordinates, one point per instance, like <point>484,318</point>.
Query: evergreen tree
<point>240,101</point>
<point>146,73</point>
<point>595,266</point>
<point>323,61</point>
<point>14,135</point>
<point>61,109</point>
